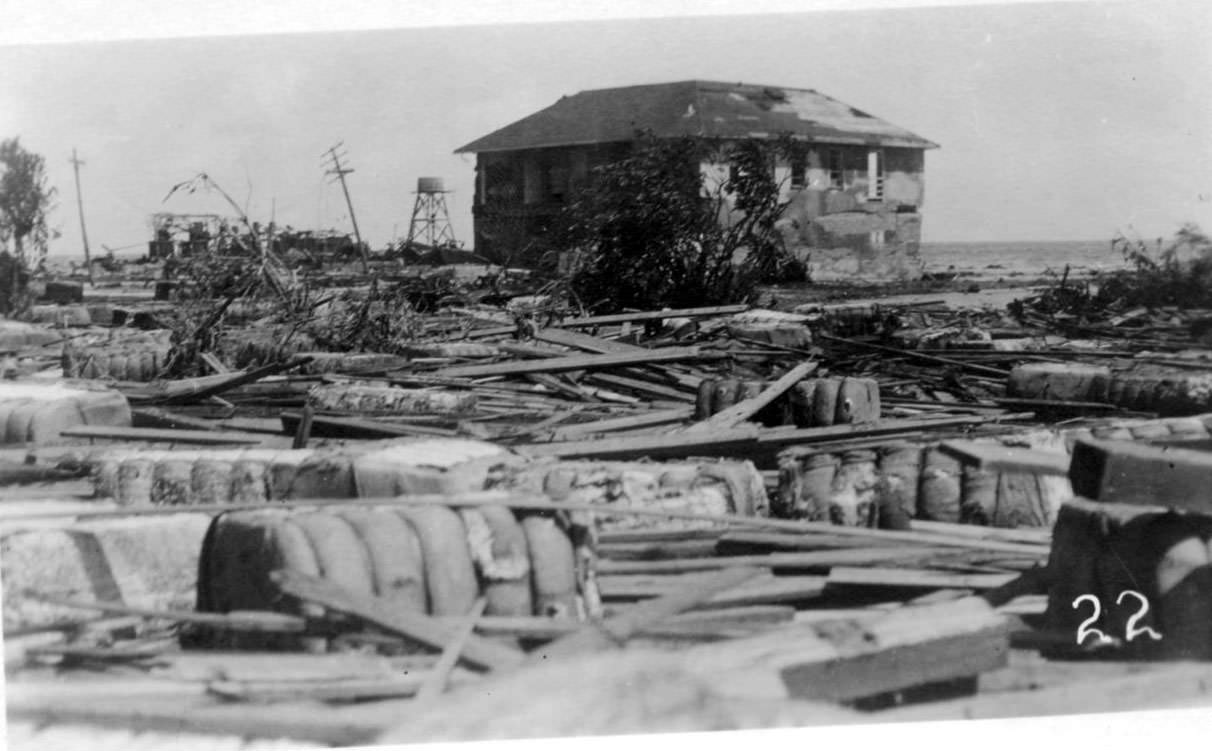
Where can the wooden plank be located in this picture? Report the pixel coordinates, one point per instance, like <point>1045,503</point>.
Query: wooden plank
<point>213,362</point>
<point>343,690</point>
<point>521,501</point>
<point>792,436</point>
<point>329,426</point>
<point>656,551</point>
<point>25,474</point>
<point>852,659</point>
<point>153,417</point>
<point>236,620</point>
<point>660,391</point>
<point>999,458</point>
<point>982,369</point>
<point>649,419</point>
<point>179,392</point>
<point>580,362</point>
<point>614,632</point>
<point>159,435</point>
<point>1026,535</point>
<point>435,682</point>
<point>173,707</point>
<point>680,445</point>
<point>747,408</point>
<point>817,559</point>
<point>477,651</point>
<point>652,315</point>
<point>542,627</point>
<point>585,342</point>
<point>899,577</point>
<point>762,590</point>
<point>776,541</point>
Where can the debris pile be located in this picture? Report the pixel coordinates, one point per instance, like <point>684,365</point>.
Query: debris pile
<point>407,498</point>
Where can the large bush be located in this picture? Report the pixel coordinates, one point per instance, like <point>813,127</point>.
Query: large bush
<point>652,231</point>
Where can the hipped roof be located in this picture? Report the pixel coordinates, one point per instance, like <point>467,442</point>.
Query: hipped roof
<point>704,109</point>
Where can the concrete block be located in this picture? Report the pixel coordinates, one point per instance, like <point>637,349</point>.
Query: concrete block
<point>1134,473</point>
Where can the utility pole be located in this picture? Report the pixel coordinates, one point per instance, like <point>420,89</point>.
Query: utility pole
<point>341,171</point>
<point>88,261</point>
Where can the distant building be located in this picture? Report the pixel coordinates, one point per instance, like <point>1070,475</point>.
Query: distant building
<point>853,192</point>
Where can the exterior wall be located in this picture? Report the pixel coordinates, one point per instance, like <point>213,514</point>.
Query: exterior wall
<point>841,224</point>
<point>835,219</point>
<point>519,193</point>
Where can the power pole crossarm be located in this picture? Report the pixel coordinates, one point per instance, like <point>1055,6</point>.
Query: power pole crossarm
<point>341,171</point>
<point>88,261</point>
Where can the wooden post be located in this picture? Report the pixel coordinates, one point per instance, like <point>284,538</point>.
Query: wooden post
<point>88,261</point>
<point>341,172</point>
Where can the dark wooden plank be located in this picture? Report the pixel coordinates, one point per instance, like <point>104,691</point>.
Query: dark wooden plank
<point>328,426</point>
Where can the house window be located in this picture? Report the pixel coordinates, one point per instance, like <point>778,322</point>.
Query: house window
<point>799,170</point>
<point>557,183</point>
<point>836,176</point>
<point>875,175</point>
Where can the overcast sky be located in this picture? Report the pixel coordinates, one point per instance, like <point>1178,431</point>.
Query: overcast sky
<point>1064,121</point>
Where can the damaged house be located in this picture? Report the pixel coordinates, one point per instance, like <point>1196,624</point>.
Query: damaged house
<point>852,188</point>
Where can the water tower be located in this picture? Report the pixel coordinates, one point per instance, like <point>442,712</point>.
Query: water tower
<point>430,223</point>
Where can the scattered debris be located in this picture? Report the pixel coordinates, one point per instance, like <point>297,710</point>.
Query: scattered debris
<point>408,487</point>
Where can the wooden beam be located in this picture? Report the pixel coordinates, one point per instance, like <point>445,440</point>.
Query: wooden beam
<point>201,437</point>
<point>476,651</point>
<point>651,418</point>
<point>652,315</point>
<point>817,559</point>
<point>996,457</point>
<point>435,682</point>
<point>585,342</point>
<point>900,577</point>
<point>684,444</point>
<point>580,362</point>
<point>613,633</point>
<point>846,660</point>
<point>747,408</point>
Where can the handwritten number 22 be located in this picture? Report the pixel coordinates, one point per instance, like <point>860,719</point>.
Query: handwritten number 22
<point>1085,629</point>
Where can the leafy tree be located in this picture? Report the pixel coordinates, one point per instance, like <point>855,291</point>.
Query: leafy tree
<point>25,202</point>
<point>653,231</point>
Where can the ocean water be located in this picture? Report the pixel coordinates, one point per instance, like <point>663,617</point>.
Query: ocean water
<point>992,259</point>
